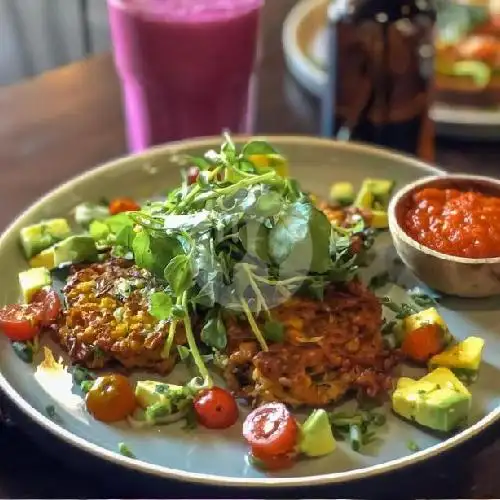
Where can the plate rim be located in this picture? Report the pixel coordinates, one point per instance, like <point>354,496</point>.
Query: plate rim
<point>300,65</point>
<point>211,479</point>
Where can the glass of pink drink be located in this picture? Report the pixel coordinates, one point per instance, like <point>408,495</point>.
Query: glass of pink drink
<point>187,67</point>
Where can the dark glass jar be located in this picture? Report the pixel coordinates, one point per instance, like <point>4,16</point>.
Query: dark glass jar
<point>380,73</point>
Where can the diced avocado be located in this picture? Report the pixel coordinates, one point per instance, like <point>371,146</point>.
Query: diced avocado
<point>85,213</point>
<point>33,280</point>
<point>380,219</point>
<point>38,237</point>
<point>427,317</point>
<point>463,359</point>
<point>317,436</point>
<point>374,194</point>
<point>438,401</point>
<point>73,249</point>
<point>342,193</point>
<point>149,392</point>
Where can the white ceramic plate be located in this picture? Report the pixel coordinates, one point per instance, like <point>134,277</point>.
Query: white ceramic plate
<point>219,458</point>
<point>304,44</point>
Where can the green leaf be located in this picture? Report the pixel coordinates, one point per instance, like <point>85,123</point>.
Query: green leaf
<point>258,148</point>
<point>255,240</point>
<point>125,450</point>
<point>201,163</point>
<point>117,222</point>
<point>320,231</point>
<point>184,352</point>
<point>141,247</point>
<point>269,204</point>
<point>214,332</point>
<point>179,274</point>
<point>274,331</point>
<point>125,237</point>
<point>99,230</point>
<point>291,229</point>
<point>160,305</point>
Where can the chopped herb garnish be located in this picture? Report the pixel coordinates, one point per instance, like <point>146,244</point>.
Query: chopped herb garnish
<point>52,413</point>
<point>412,446</point>
<point>24,351</point>
<point>125,450</point>
<point>86,385</point>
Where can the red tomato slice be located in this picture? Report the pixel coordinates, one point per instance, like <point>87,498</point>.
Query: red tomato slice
<point>192,175</point>
<point>120,205</point>
<point>269,463</point>
<point>271,430</point>
<point>19,322</point>
<point>216,409</point>
<point>48,304</point>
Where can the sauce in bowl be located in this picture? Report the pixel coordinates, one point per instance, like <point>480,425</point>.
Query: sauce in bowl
<point>453,222</point>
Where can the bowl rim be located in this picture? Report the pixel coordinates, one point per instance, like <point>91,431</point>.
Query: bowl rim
<point>395,226</point>
<point>211,479</point>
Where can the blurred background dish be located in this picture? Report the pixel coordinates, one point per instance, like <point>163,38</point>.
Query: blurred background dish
<point>305,48</point>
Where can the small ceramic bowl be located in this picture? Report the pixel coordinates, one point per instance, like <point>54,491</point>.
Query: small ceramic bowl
<point>463,277</point>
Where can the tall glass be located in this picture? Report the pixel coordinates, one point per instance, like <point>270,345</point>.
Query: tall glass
<point>187,67</point>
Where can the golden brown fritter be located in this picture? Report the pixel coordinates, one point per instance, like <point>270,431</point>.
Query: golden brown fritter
<point>331,347</point>
<point>107,318</point>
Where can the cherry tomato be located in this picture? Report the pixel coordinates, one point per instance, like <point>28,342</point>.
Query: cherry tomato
<point>19,322</point>
<point>48,304</point>
<point>192,175</point>
<point>216,409</point>
<point>111,398</point>
<point>269,463</point>
<point>120,205</point>
<point>271,430</point>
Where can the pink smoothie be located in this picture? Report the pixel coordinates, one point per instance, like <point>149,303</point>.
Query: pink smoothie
<point>187,66</point>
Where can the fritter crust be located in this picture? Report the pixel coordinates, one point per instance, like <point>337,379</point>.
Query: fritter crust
<point>107,318</point>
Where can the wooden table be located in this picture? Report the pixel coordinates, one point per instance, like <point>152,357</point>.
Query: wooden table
<point>69,120</point>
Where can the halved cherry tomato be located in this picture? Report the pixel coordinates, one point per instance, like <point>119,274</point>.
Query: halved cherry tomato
<point>192,175</point>
<point>48,304</point>
<point>271,430</point>
<point>276,462</point>
<point>111,398</point>
<point>19,322</point>
<point>120,205</point>
<point>216,408</point>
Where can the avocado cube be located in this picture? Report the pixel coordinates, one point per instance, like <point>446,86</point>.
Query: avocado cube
<point>33,280</point>
<point>74,249</point>
<point>38,237</point>
<point>316,435</point>
<point>379,220</point>
<point>427,317</point>
<point>375,194</point>
<point>438,401</point>
<point>342,193</point>
<point>463,358</point>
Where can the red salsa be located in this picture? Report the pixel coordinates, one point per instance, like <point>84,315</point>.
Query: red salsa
<point>459,223</point>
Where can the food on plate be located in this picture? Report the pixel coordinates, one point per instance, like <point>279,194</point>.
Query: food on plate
<point>438,401</point>
<point>453,222</point>
<point>38,237</point>
<point>241,276</point>
<point>73,249</point>
<point>317,437</point>
<point>462,358</point>
<point>33,280</point>
<point>467,54</point>
<point>108,318</point>
<point>328,348</point>
<point>425,334</point>
<point>111,398</point>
